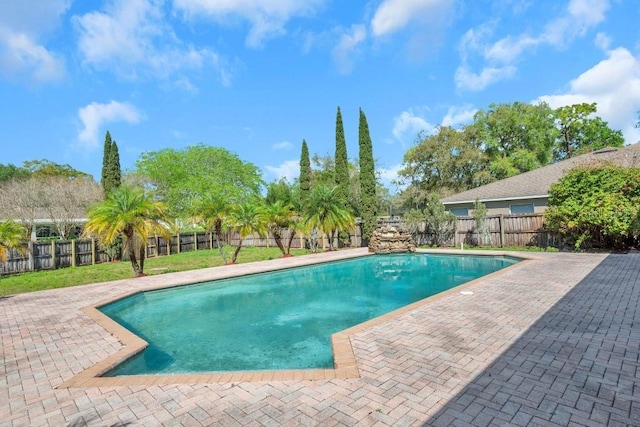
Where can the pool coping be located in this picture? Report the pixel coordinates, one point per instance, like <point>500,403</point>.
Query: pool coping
<point>345,362</point>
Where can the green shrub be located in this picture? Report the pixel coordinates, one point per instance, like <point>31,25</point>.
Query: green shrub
<point>596,206</point>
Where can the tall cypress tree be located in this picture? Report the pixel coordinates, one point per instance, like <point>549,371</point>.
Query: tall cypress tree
<point>115,173</point>
<point>106,157</point>
<point>305,176</point>
<point>342,162</point>
<point>111,179</point>
<point>111,174</point>
<point>367,180</point>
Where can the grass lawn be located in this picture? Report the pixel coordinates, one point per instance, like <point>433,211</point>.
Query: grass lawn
<point>74,276</point>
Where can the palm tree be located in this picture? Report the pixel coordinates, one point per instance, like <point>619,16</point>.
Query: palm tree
<point>297,226</point>
<point>128,211</point>
<point>246,218</point>
<point>280,216</point>
<point>12,236</point>
<point>211,212</point>
<point>327,212</point>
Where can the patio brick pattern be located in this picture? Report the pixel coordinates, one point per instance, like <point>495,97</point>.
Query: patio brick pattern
<point>552,342</point>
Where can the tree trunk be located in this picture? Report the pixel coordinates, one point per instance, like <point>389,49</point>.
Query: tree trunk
<point>236,252</point>
<point>221,249</point>
<point>278,238</point>
<point>292,234</point>
<point>218,228</point>
<point>330,235</point>
<point>313,240</point>
<point>567,142</point>
<point>143,253</point>
<point>132,256</point>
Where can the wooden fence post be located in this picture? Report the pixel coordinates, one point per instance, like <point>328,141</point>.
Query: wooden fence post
<point>501,227</point>
<point>195,241</point>
<point>32,263</point>
<point>53,254</point>
<point>93,251</point>
<point>73,253</point>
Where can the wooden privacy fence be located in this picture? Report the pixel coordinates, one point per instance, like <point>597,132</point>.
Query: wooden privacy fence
<point>520,230</point>
<point>185,242</point>
<point>506,230</point>
<point>80,252</point>
<point>500,230</point>
<point>54,254</point>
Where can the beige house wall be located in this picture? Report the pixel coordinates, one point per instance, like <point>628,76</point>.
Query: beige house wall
<point>502,206</point>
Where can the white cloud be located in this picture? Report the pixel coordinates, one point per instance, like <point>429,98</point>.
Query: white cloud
<point>131,37</point>
<point>411,124</point>
<point>429,16</point>
<point>94,115</point>
<point>284,145</point>
<point>499,57</point>
<point>588,12</point>
<point>388,175</point>
<point>123,33</point>
<point>408,125</point>
<point>473,42</point>
<point>517,7</point>
<point>344,44</point>
<point>185,84</point>
<point>581,16</point>
<point>603,41</point>
<point>422,24</point>
<point>467,79</point>
<point>21,56</point>
<point>266,17</point>
<point>614,84</point>
<point>393,15</point>
<point>22,26</point>
<point>34,17</point>
<point>508,49</point>
<point>289,169</point>
<point>347,46</point>
<point>459,115</point>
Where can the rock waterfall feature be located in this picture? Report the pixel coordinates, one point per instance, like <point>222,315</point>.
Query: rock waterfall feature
<point>388,240</point>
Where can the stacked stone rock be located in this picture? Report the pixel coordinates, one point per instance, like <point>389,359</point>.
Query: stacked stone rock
<point>387,240</point>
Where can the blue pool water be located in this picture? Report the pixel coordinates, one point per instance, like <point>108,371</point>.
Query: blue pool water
<point>280,320</point>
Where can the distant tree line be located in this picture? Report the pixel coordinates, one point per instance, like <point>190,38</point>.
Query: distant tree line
<point>38,169</point>
<point>505,140</point>
<point>212,188</point>
<point>41,189</point>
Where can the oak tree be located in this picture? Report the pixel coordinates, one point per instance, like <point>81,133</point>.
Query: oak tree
<point>180,177</point>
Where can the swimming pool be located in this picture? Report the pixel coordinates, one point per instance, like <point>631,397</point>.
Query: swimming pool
<point>283,319</point>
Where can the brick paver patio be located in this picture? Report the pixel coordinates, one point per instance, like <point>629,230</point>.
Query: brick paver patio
<point>553,342</point>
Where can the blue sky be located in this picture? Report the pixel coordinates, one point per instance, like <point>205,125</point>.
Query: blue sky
<point>258,76</point>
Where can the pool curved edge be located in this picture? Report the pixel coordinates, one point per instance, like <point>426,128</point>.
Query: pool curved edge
<point>345,363</point>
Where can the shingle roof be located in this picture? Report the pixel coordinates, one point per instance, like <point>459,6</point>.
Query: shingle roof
<point>537,182</point>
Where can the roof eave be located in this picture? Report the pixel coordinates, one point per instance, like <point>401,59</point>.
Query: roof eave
<point>499,199</point>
